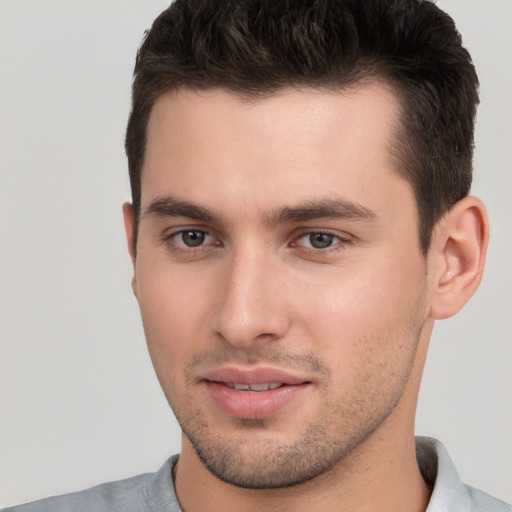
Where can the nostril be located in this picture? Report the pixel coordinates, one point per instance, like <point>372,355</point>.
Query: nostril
<point>267,337</point>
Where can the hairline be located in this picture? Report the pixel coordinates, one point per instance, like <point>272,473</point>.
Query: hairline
<point>368,73</point>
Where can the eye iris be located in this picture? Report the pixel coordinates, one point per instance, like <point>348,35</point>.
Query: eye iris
<point>193,238</point>
<point>320,240</point>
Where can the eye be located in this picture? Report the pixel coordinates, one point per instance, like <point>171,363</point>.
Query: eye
<point>192,238</point>
<point>319,240</point>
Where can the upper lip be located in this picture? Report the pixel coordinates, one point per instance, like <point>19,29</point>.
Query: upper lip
<point>257,375</point>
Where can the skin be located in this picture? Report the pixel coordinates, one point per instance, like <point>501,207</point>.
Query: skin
<point>352,319</point>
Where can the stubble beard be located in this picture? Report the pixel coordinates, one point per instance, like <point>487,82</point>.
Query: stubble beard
<point>250,457</point>
<point>267,465</point>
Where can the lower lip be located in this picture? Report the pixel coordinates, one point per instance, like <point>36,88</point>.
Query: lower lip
<point>254,405</point>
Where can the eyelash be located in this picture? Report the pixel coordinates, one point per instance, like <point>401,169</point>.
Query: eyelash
<point>170,240</point>
<point>339,244</point>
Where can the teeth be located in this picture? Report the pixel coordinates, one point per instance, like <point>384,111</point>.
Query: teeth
<point>253,387</point>
<point>259,387</point>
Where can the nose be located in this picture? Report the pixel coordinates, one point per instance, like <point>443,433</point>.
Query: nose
<point>252,307</point>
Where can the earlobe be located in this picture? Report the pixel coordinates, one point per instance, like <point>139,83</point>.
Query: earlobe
<point>129,226</point>
<point>458,253</point>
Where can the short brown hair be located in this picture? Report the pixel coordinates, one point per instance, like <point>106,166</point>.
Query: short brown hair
<point>256,47</point>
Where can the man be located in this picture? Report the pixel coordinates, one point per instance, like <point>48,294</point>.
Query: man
<point>300,219</point>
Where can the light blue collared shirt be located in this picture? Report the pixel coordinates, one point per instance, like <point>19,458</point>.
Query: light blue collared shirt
<point>154,492</point>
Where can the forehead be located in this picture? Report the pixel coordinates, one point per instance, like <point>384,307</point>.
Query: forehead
<point>216,148</point>
<point>295,113</point>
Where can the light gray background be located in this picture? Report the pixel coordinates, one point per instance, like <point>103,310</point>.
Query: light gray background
<point>79,403</point>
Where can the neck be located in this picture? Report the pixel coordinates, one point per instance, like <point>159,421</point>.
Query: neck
<point>353,485</point>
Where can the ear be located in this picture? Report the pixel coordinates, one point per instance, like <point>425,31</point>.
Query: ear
<point>458,253</point>
<point>129,226</point>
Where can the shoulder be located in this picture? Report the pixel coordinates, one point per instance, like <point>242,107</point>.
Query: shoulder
<point>485,502</point>
<point>142,493</point>
<point>119,496</point>
<point>448,492</point>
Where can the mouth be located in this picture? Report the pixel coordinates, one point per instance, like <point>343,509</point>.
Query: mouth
<point>254,394</point>
<point>253,387</point>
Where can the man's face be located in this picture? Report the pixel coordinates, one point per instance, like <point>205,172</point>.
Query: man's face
<point>279,276</point>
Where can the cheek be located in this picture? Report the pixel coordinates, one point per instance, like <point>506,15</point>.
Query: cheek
<point>174,309</point>
<point>366,315</point>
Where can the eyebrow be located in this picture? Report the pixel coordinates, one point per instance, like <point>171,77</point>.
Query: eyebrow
<point>170,206</point>
<point>323,209</point>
